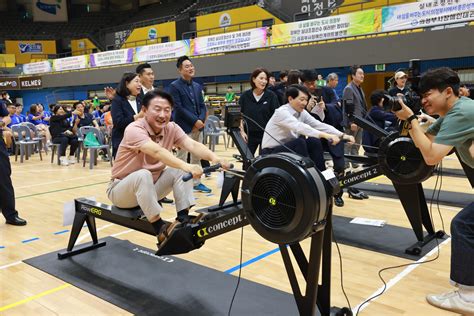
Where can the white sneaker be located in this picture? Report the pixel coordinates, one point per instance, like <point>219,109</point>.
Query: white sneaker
<point>71,160</point>
<point>63,161</point>
<point>451,301</point>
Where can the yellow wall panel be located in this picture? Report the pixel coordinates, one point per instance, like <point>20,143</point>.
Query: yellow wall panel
<point>37,50</point>
<point>219,21</point>
<point>7,60</point>
<point>151,34</point>
<point>82,46</point>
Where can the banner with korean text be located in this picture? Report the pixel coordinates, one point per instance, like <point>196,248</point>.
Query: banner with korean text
<point>426,14</point>
<point>344,25</point>
<point>227,42</point>
<point>113,57</point>
<point>162,51</point>
<point>37,68</point>
<point>70,63</point>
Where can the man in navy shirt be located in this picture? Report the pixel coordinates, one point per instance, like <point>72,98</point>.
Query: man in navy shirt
<point>189,109</point>
<point>7,194</point>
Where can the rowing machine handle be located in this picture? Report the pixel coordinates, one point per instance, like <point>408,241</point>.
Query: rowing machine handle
<point>215,167</point>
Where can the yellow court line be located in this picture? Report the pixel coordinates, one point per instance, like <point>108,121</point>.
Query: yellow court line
<point>31,298</point>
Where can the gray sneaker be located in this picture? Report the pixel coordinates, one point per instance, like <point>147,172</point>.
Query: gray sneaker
<point>451,301</point>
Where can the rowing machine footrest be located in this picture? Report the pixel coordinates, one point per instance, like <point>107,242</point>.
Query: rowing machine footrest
<point>180,241</point>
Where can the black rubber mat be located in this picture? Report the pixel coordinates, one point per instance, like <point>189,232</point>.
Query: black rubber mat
<point>390,240</point>
<point>445,197</point>
<point>133,278</point>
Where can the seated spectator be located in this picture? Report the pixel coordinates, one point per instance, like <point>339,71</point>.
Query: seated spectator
<point>45,114</point>
<point>293,129</point>
<point>15,118</point>
<point>382,119</point>
<point>19,110</point>
<point>83,117</point>
<point>61,132</point>
<point>36,117</point>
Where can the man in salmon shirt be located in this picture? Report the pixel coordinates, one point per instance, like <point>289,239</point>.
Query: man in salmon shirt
<point>145,169</point>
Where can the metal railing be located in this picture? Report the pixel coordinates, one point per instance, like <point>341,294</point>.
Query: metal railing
<point>231,28</point>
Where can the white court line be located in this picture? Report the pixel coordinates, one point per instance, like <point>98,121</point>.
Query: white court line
<point>400,276</point>
<point>122,233</point>
<point>60,181</point>
<point>10,265</point>
<point>88,234</point>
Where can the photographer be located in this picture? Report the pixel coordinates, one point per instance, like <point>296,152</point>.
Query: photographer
<point>454,129</point>
<point>400,84</point>
<point>384,120</point>
<point>316,106</point>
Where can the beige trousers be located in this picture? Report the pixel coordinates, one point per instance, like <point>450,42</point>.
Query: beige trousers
<point>138,189</point>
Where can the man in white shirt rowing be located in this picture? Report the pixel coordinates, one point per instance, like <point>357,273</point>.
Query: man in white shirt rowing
<point>291,128</point>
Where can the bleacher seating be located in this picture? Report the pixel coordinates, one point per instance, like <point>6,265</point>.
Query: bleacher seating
<point>210,6</point>
<point>160,10</point>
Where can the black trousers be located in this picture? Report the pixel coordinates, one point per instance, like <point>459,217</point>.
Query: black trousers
<point>307,147</point>
<point>254,140</point>
<point>7,194</point>
<point>462,247</point>
<point>64,141</point>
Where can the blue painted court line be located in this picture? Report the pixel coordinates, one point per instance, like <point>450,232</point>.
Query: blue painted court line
<point>210,194</point>
<point>30,240</point>
<point>2,247</point>
<point>61,232</point>
<point>253,260</point>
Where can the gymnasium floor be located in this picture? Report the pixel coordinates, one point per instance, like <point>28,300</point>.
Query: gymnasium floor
<point>43,188</point>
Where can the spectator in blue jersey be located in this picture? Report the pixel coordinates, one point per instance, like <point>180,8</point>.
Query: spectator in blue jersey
<point>15,118</point>
<point>36,117</point>
<point>19,112</point>
<point>45,114</point>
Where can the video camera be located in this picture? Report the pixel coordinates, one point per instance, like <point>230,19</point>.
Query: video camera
<point>412,97</point>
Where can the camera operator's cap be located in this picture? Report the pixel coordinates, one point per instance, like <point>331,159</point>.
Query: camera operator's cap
<point>400,74</point>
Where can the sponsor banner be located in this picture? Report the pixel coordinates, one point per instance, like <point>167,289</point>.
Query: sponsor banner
<point>49,10</point>
<point>70,63</point>
<point>344,25</point>
<point>120,37</point>
<point>29,48</point>
<point>114,57</point>
<point>37,68</point>
<point>31,82</point>
<point>9,84</point>
<point>227,42</point>
<point>162,51</point>
<point>426,14</point>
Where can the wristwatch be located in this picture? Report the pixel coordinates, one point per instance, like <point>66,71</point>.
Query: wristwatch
<point>412,117</point>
